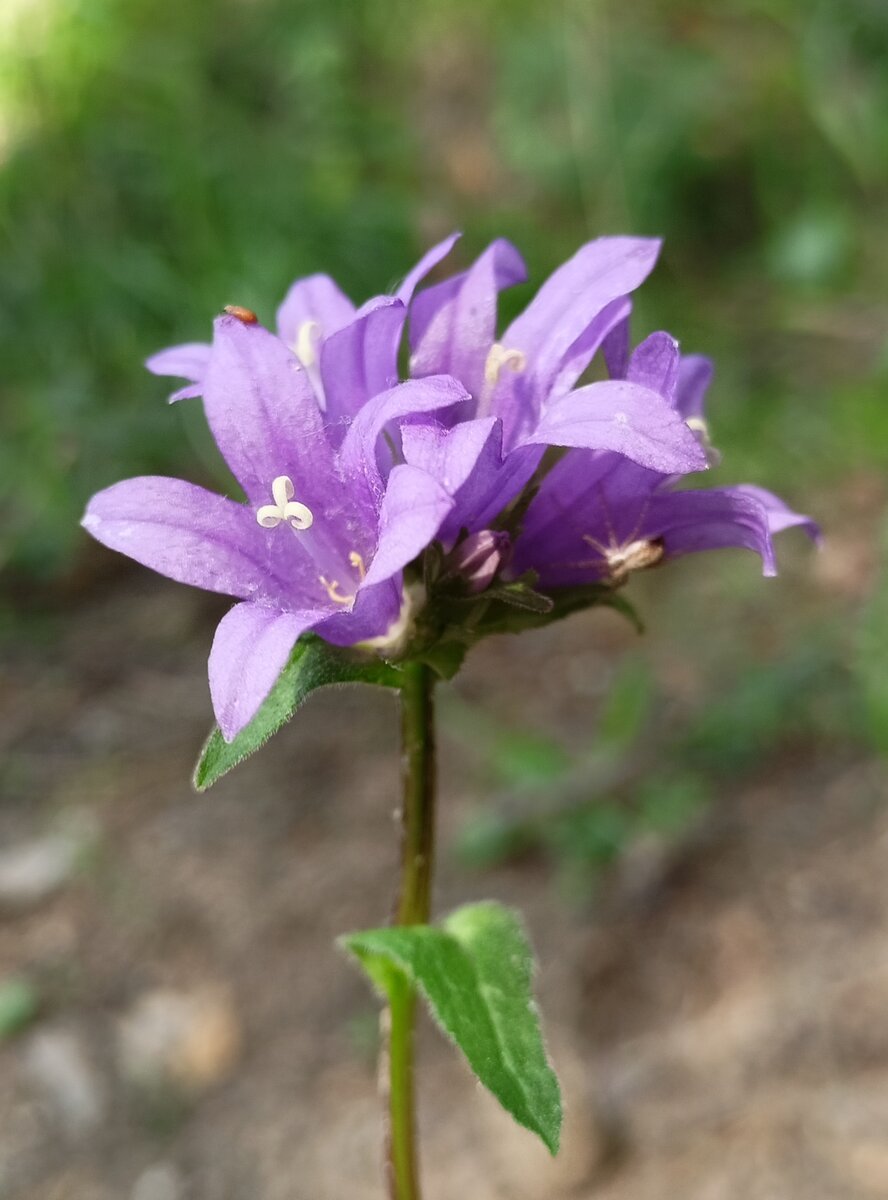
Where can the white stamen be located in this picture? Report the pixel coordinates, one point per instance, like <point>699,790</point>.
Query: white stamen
<point>358,563</point>
<point>498,358</point>
<point>307,339</point>
<point>285,508</point>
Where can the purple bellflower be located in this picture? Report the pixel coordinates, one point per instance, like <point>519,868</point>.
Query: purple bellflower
<point>598,517</point>
<point>322,540</point>
<point>314,311</point>
<point>609,506</point>
<point>377,510</point>
<point>519,384</point>
<point>522,385</point>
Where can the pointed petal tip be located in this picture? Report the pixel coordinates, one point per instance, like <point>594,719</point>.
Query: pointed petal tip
<point>185,393</point>
<point>684,457</point>
<point>250,649</point>
<point>373,305</point>
<point>649,250</point>
<point>228,730</point>
<point>448,385</point>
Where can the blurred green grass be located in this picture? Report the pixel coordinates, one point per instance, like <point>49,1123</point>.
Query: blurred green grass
<point>161,159</point>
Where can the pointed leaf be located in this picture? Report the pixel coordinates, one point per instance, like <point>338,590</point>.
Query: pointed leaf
<point>475,971</point>
<point>313,664</point>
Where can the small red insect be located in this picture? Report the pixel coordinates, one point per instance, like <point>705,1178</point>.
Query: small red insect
<point>243,314</point>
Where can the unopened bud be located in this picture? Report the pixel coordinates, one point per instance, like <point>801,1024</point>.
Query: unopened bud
<point>479,557</point>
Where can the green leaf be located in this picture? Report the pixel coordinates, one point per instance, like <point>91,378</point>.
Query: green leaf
<point>18,1006</point>
<point>475,971</point>
<point>313,664</point>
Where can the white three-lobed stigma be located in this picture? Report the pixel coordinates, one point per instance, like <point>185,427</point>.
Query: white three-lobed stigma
<point>285,508</point>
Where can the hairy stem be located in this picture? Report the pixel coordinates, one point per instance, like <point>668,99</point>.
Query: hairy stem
<point>413,905</point>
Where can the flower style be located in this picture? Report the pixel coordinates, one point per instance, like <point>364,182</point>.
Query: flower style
<point>320,543</point>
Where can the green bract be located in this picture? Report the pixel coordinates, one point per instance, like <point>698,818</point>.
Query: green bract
<point>313,664</point>
<point>446,630</point>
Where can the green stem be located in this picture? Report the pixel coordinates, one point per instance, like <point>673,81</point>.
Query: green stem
<point>414,903</point>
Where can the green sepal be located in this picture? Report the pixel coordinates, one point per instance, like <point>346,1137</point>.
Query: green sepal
<point>312,665</point>
<point>520,594</point>
<point>564,602</point>
<point>475,972</point>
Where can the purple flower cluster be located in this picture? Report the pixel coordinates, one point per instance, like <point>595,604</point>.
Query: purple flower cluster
<point>490,455</point>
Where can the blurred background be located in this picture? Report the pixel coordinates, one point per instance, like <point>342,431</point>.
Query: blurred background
<point>693,821</point>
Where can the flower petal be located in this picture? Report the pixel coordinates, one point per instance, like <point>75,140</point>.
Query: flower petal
<point>427,263</point>
<point>694,377</point>
<point>468,461</point>
<point>250,649</point>
<point>360,361</point>
<point>585,493</point>
<point>565,551</point>
<point>569,301</point>
<point>654,365</point>
<point>451,455</point>
<point>376,610</point>
<point>453,324</point>
<point>264,417</point>
<point>613,317</point>
<point>189,392</point>
<point>713,519</point>
<point>188,361</point>
<point>615,347</point>
<point>413,508</point>
<point>317,299</point>
<point>357,455</point>
<point>623,417</point>
<point>570,496</point>
<point>190,535</point>
<point>780,515</point>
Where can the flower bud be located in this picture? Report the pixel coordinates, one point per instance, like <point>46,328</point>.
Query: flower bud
<point>479,557</point>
